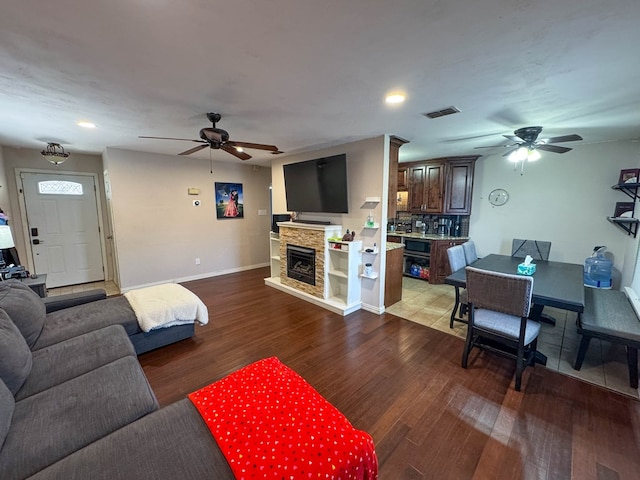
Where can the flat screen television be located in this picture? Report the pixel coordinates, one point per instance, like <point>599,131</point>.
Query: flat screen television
<point>317,186</point>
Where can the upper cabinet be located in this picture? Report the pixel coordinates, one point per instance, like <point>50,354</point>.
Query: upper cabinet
<point>394,146</point>
<point>403,183</point>
<point>459,187</point>
<point>441,186</point>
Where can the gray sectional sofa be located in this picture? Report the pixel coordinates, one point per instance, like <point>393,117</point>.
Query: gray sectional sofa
<point>75,403</point>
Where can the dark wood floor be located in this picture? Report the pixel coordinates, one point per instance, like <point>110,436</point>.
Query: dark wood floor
<point>402,383</point>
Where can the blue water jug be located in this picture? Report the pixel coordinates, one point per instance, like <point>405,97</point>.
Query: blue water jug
<point>597,269</point>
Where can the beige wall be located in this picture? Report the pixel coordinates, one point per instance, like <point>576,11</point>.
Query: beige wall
<point>562,198</point>
<point>367,172</point>
<point>158,233</point>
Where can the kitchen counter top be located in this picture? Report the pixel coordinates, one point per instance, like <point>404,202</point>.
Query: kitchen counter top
<point>426,236</point>
<point>394,246</point>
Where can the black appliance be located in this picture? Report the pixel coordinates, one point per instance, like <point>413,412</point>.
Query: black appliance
<point>317,186</point>
<point>417,246</point>
<point>278,217</point>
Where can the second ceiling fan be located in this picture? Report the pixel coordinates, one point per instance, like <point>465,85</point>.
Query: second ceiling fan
<point>528,137</point>
<point>218,139</point>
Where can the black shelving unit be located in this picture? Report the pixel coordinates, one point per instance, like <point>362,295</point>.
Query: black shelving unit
<point>628,224</point>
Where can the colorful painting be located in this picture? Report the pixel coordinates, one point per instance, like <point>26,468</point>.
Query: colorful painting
<point>229,200</point>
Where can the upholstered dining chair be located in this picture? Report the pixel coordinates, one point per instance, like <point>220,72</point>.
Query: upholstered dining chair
<point>499,306</point>
<point>539,250</point>
<point>470,253</point>
<point>456,262</point>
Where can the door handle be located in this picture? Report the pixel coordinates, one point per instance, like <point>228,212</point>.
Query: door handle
<point>36,241</point>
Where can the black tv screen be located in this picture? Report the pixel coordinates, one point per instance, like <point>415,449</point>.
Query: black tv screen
<point>318,185</point>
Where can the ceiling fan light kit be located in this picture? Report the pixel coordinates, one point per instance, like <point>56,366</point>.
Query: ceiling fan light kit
<point>218,139</point>
<point>526,146</point>
<point>55,153</point>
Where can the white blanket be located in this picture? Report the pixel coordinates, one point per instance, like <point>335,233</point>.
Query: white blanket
<point>166,305</point>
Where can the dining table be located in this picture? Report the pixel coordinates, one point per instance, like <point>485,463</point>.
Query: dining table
<point>555,284</point>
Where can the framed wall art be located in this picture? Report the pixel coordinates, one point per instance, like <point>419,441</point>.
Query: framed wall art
<point>229,200</point>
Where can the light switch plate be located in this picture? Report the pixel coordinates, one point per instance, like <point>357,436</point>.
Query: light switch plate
<point>262,212</point>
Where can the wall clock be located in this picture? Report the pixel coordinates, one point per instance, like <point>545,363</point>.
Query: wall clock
<point>498,197</point>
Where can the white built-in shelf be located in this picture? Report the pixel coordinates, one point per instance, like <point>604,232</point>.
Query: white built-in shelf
<point>275,257</point>
<point>338,273</point>
<point>375,225</point>
<point>372,199</point>
<point>373,276</point>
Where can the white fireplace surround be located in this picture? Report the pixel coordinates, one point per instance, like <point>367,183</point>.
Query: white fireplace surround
<point>337,271</point>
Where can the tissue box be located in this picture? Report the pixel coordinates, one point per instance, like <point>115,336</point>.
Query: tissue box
<point>526,269</point>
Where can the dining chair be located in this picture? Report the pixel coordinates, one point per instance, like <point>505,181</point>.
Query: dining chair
<point>457,261</point>
<point>499,306</point>
<point>470,253</point>
<point>539,250</point>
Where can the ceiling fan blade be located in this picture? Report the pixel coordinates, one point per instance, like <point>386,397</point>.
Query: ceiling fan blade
<point>168,138</point>
<point>553,148</point>
<point>193,150</point>
<point>257,146</point>
<point>236,153</point>
<point>513,138</point>
<point>496,146</point>
<point>564,138</point>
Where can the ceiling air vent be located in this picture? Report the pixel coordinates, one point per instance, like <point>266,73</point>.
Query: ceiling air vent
<point>442,113</point>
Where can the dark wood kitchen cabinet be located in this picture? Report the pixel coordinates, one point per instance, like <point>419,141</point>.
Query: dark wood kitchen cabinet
<point>426,186</point>
<point>459,186</point>
<point>434,186</point>
<point>394,146</point>
<point>440,260</point>
<point>416,176</point>
<point>403,184</point>
<point>441,186</point>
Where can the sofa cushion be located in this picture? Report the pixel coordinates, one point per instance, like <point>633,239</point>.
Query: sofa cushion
<point>25,308</point>
<point>7,405</point>
<point>52,424</point>
<point>15,356</point>
<point>173,442</point>
<point>66,360</point>
<point>71,322</point>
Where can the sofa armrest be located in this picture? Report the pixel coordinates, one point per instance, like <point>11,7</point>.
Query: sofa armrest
<point>59,302</point>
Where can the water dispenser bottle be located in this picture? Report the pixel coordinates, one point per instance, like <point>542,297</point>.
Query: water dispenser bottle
<point>597,269</point>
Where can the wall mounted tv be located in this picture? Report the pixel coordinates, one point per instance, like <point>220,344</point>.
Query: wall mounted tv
<point>317,186</point>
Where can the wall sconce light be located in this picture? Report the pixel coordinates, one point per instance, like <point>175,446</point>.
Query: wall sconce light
<point>55,153</point>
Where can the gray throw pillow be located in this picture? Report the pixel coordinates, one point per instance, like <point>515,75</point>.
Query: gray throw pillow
<point>7,406</point>
<point>15,355</point>
<point>25,308</point>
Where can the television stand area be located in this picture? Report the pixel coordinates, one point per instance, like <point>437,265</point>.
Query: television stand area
<point>312,222</point>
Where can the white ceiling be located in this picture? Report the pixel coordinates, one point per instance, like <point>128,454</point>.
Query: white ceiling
<point>305,74</point>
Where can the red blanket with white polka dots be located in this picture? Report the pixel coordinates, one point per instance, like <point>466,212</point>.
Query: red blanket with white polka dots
<point>270,423</point>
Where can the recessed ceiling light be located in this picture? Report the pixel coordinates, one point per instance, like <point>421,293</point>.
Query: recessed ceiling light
<point>86,125</point>
<point>395,98</point>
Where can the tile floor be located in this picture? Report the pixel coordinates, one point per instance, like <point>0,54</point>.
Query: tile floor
<point>110,287</point>
<point>604,365</point>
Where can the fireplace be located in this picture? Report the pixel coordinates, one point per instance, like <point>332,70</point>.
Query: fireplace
<point>301,264</point>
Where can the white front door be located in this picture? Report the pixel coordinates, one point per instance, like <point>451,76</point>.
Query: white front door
<point>62,219</point>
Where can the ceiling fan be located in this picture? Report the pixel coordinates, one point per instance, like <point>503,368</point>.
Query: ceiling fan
<point>218,139</point>
<point>527,137</point>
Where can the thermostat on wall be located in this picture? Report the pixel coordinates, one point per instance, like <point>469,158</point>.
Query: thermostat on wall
<point>193,191</point>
